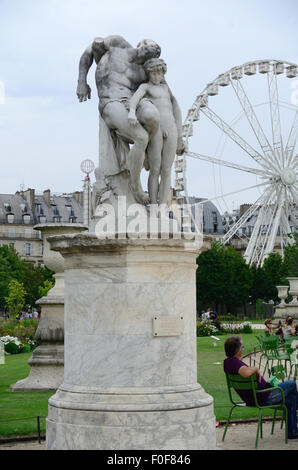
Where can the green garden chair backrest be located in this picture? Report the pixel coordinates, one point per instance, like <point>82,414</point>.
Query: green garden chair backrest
<point>270,344</point>
<point>237,382</point>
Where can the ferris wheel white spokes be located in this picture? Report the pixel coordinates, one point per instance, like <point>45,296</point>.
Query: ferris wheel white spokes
<point>278,161</point>
<point>255,171</point>
<point>269,155</point>
<point>219,122</point>
<point>291,143</point>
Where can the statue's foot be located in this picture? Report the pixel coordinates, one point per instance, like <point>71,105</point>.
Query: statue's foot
<point>140,196</point>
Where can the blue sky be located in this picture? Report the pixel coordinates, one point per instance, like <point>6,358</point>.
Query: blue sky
<point>45,132</point>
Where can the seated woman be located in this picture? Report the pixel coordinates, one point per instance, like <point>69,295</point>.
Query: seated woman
<point>233,365</point>
<point>289,329</point>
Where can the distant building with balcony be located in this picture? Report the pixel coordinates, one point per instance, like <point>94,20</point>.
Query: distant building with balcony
<point>19,213</point>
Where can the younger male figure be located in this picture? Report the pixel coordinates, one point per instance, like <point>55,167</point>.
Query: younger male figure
<point>167,141</point>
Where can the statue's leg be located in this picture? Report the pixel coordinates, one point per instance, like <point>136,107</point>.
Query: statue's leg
<point>115,116</point>
<point>167,159</point>
<point>148,116</point>
<point>154,157</point>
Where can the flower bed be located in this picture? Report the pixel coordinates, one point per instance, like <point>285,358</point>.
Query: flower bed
<point>18,336</point>
<point>208,328</point>
<point>13,345</point>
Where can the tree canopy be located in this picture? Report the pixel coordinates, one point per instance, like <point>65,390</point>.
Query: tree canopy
<point>12,267</point>
<point>223,277</point>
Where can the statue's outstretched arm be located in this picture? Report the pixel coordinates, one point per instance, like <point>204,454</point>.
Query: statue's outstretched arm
<point>83,89</point>
<point>134,101</point>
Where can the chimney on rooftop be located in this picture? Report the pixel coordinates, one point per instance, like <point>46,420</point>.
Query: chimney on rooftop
<point>29,195</point>
<point>47,196</point>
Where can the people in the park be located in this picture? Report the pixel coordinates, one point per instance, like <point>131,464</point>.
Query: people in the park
<point>234,365</point>
<point>289,329</point>
<point>167,140</point>
<point>269,327</point>
<point>119,72</point>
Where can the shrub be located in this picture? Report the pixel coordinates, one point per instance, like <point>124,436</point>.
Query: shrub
<point>13,345</point>
<point>12,348</point>
<point>206,328</point>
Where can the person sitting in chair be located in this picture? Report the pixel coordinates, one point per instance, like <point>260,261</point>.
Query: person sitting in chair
<point>234,365</point>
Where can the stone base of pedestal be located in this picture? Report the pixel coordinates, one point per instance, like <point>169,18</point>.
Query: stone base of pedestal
<point>130,376</point>
<point>281,312</point>
<point>127,420</point>
<point>47,361</point>
<point>47,369</point>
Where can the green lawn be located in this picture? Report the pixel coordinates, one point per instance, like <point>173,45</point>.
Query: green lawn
<point>15,406</point>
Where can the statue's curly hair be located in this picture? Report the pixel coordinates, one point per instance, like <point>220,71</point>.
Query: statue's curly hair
<point>144,42</point>
<point>153,64</point>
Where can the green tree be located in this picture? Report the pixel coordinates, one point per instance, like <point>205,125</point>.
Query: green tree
<point>33,277</point>
<point>223,277</point>
<point>275,273</point>
<point>291,257</point>
<point>11,267</point>
<point>15,300</point>
<point>44,289</point>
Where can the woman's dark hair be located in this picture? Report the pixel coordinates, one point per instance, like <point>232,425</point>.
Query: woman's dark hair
<point>232,345</point>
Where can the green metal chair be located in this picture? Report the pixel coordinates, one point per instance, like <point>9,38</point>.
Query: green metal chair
<point>262,353</point>
<point>270,347</point>
<point>237,382</point>
<point>294,363</point>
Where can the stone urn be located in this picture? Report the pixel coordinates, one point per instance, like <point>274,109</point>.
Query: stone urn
<point>52,259</point>
<point>293,289</point>
<point>47,361</point>
<point>282,294</point>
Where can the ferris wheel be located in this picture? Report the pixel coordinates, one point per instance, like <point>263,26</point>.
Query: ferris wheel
<point>265,139</point>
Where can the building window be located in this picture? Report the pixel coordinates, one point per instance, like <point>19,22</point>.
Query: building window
<point>55,210</point>
<point>11,245</point>
<point>27,249</point>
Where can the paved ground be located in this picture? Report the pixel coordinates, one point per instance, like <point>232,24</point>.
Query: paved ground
<point>238,437</point>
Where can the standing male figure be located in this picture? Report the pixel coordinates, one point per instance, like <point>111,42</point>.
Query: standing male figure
<point>119,73</point>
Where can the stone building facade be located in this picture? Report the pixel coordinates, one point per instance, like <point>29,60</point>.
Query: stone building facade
<point>19,213</point>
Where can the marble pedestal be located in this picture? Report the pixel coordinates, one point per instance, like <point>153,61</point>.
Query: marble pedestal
<point>127,384</point>
<point>47,361</point>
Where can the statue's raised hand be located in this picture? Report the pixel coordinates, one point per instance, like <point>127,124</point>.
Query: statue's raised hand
<point>132,118</point>
<point>83,91</point>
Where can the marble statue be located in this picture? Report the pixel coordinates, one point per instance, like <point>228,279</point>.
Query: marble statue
<point>167,141</point>
<point>140,141</point>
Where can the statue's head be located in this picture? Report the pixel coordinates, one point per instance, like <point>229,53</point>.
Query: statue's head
<point>147,49</point>
<point>155,70</point>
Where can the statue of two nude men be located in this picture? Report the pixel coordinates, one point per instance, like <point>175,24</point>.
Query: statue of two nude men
<point>136,103</point>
